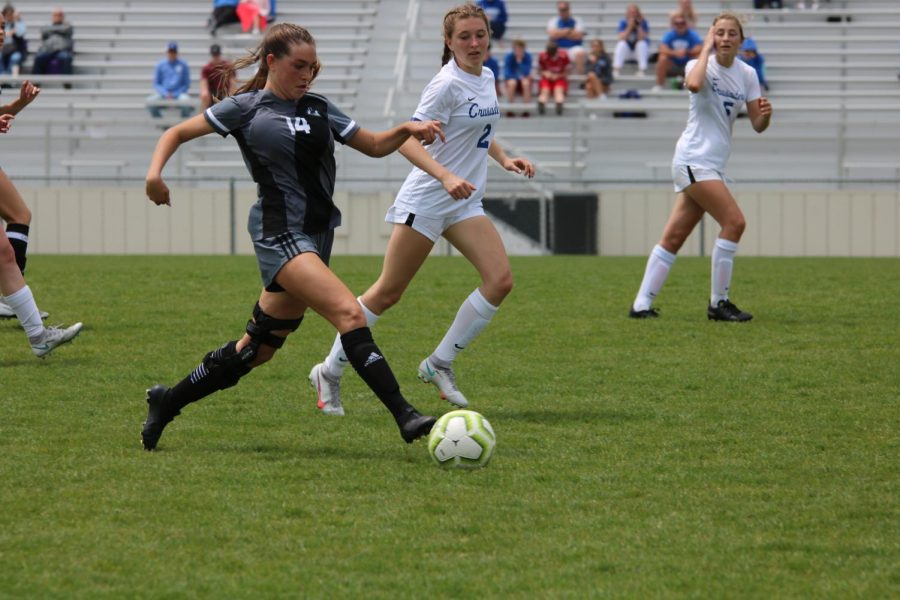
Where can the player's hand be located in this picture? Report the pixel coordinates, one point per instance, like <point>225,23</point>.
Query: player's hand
<point>426,131</point>
<point>157,191</point>
<point>457,187</point>
<point>765,107</point>
<point>709,43</point>
<point>520,166</point>
<point>28,92</point>
<point>5,122</point>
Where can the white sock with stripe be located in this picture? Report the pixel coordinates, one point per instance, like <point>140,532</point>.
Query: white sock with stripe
<point>659,263</point>
<point>722,267</point>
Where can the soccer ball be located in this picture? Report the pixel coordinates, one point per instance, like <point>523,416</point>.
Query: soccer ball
<point>463,439</point>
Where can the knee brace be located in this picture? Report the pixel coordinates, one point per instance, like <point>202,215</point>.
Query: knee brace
<point>260,329</point>
<point>225,366</point>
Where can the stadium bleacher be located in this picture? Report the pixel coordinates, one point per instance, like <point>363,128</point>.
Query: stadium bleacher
<point>833,73</point>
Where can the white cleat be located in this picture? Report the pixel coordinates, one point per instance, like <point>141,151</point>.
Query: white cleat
<point>328,391</point>
<point>444,380</point>
<point>53,337</point>
<point>6,311</point>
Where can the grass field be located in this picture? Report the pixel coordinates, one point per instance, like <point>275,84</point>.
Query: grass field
<point>666,458</point>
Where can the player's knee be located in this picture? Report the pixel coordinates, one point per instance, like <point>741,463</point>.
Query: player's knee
<point>261,331</point>
<point>499,285</point>
<point>673,240</point>
<point>20,216</point>
<point>349,316</point>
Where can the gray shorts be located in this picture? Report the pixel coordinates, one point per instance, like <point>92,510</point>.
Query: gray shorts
<point>274,252</point>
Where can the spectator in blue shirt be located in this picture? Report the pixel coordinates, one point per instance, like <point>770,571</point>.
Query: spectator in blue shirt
<point>568,33</point>
<point>171,82</point>
<point>677,46</point>
<point>496,14</point>
<point>517,73</point>
<point>634,41</point>
<point>491,63</point>
<point>750,54</point>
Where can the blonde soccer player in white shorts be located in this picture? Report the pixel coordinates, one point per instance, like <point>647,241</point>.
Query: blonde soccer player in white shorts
<point>442,196</point>
<point>720,87</point>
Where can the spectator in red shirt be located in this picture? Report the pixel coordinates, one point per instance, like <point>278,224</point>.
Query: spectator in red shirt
<point>554,66</point>
<point>216,79</point>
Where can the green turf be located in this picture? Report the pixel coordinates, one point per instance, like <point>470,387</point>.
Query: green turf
<point>666,458</point>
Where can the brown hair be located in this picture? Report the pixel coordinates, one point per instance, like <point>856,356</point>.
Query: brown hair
<point>463,11</point>
<point>730,16</point>
<point>278,41</point>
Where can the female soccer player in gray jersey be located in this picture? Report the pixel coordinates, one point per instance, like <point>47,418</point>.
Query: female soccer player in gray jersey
<point>720,86</point>
<point>442,197</point>
<point>286,135</point>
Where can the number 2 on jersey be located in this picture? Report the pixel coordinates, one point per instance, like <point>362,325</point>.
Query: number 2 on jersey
<point>483,140</point>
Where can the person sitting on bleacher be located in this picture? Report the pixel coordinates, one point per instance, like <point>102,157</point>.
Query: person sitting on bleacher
<point>750,54</point>
<point>253,15</point>
<point>517,73</point>
<point>496,13</point>
<point>567,32</point>
<point>223,14</point>
<point>677,46</point>
<point>554,65</point>
<point>216,79</point>
<point>599,75</point>
<point>56,51</point>
<point>171,81</point>
<point>634,41</point>
<point>15,45</point>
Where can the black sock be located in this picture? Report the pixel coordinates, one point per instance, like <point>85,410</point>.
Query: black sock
<point>19,242</point>
<point>220,369</point>
<point>371,365</point>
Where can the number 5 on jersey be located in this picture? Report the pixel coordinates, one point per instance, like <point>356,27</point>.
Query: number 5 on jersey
<point>298,124</point>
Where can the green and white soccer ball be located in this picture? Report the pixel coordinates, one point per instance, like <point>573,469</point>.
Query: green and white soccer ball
<point>462,439</point>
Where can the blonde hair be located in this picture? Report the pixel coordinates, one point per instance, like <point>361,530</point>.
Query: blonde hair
<point>278,41</point>
<point>727,15</point>
<point>463,11</point>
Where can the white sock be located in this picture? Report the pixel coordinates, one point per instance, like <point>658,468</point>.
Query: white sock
<point>658,265</point>
<point>22,303</point>
<point>722,266</point>
<point>336,361</point>
<point>473,315</point>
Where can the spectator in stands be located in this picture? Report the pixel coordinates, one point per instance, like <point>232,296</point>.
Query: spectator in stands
<point>720,86</point>
<point>517,73</point>
<point>491,63</point>
<point>223,13</point>
<point>289,136</point>
<point>253,15</point>
<point>496,12</point>
<point>634,41</point>
<point>750,55</point>
<point>57,45</point>
<point>15,45</point>
<point>216,78</point>
<point>568,34</point>
<point>18,301</point>
<point>677,46</point>
<point>599,75</point>
<point>171,81</point>
<point>686,8</point>
<point>554,66</point>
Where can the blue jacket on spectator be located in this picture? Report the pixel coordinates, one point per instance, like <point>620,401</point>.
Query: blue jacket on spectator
<point>496,14</point>
<point>513,69</point>
<point>172,78</point>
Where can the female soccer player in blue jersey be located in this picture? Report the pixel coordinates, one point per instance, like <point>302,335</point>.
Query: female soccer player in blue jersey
<point>442,197</point>
<point>720,86</point>
<point>286,135</point>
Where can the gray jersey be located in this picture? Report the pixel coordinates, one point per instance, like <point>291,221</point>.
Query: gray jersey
<point>288,147</point>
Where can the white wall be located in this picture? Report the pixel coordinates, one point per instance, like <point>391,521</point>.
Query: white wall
<point>120,220</point>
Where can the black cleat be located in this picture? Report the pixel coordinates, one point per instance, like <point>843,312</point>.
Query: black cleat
<point>724,310</point>
<point>415,425</point>
<point>650,313</point>
<point>158,416</point>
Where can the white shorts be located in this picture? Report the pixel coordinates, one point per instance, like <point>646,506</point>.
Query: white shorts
<point>684,175</point>
<point>432,227</point>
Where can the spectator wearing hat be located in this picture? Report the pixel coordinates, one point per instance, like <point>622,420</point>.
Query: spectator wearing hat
<point>171,82</point>
<point>216,79</point>
<point>750,54</point>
